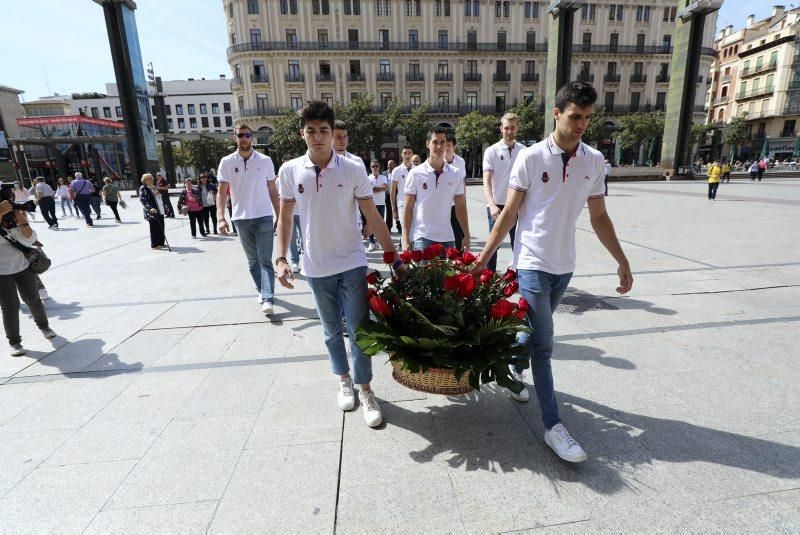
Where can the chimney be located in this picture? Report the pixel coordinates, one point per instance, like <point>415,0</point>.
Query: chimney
<point>221,76</point>
<point>191,79</point>
<point>751,19</point>
<point>777,11</point>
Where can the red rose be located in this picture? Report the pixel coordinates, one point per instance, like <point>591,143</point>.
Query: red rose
<point>389,256</point>
<point>502,309</point>
<point>520,314</point>
<point>509,275</point>
<point>486,276</point>
<point>429,253</point>
<point>452,253</point>
<point>511,288</point>
<point>371,293</point>
<point>468,258</point>
<point>438,248</point>
<point>379,306</point>
<point>416,256</point>
<point>466,284</point>
<point>459,263</point>
<point>451,283</point>
<point>405,256</point>
<point>372,278</point>
<point>523,304</point>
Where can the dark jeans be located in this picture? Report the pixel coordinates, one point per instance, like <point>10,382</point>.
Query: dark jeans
<point>389,218</point>
<point>606,184</point>
<point>169,211</point>
<point>113,206</point>
<point>210,211</point>
<point>382,211</point>
<point>95,204</point>
<point>195,219</point>
<point>760,173</point>
<point>27,284</point>
<point>82,204</point>
<point>712,190</point>
<point>47,205</point>
<point>726,177</point>
<point>493,261</point>
<point>157,237</point>
<point>457,232</point>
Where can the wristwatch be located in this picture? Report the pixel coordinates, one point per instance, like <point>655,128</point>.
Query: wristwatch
<point>281,259</point>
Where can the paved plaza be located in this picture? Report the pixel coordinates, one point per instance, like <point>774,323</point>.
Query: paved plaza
<point>170,404</point>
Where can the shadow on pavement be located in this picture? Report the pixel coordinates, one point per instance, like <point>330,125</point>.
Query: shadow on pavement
<point>562,351</point>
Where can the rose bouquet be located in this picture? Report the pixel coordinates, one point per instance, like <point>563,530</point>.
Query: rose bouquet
<point>438,315</point>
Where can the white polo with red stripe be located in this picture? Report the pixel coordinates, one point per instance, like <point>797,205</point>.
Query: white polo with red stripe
<point>555,193</point>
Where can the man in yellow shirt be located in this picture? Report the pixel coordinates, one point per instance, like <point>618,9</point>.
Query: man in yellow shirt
<point>726,172</point>
<point>714,172</point>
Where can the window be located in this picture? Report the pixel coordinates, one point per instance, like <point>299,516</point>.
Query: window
<point>217,121</point>
<point>352,38</point>
<point>635,98</point>
<point>501,68</point>
<point>284,7</point>
<point>413,8</point>
<point>442,41</point>
<point>384,68</point>
<point>531,10</point>
<point>416,99</point>
<point>204,109</point>
<point>413,69</point>
<point>118,111</point>
<point>215,108</point>
<point>743,89</point>
<point>642,13</point>
<point>413,39</point>
<point>670,13</point>
<point>587,41</point>
<point>759,62</point>
<point>640,42</point>
<point>322,36</point>
<point>293,7</point>
<point>383,7</point>
<point>386,99</point>
<point>770,80</point>
<point>327,98</point>
<point>609,103</point>
<point>325,70</point>
<point>472,40</point>
<point>296,101</point>
<point>230,10</point>
<point>527,96</point>
<point>178,109</point>
<point>294,69</point>
<point>588,12</point>
<point>252,7</point>
<point>773,59</point>
<point>612,67</point>
<point>472,100</point>
<point>443,68</point>
<point>661,100</point>
<point>638,68</point>
<point>614,41</point>
<point>291,39</point>
<point>240,102</point>
<point>472,67</point>
<point>169,124</point>
<point>169,109</point>
<point>233,38</point>
<point>259,71</point>
<point>443,99</point>
<point>501,40</point>
<point>666,42</point>
<point>500,102</point>
<point>262,103</point>
<point>615,12</point>
<point>383,38</point>
<point>530,40</point>
<point>96,113</point>
<point>193,122</point>
<point>530,67</point>
<point>228,121</point>
<point>204,122</point>
<point>355,68</point>
<point>181,123</point>
<point>788,128</point>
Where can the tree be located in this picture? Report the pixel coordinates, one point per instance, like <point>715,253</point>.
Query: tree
<point>415,127</point>
<point>697,133</point>
<point>383,124</point>
<point>475,130</point>
<point>357,114</point>
<point>638,127</point>
<point>181,157</point>
<point>285,138</point>
<point>737,132</point>
<point>596,131</point>
<point>206,152</point>
<point>531,120</point>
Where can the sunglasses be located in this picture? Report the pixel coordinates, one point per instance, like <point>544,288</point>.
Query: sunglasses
<point>246,135</point>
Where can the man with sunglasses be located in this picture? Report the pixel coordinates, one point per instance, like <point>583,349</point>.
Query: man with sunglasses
<point>249,177</point>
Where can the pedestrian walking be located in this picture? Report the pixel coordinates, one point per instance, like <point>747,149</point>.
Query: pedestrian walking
<point>546,210</point>
<point>398,194</point>
<point>112,197</point>
<point>387,201</point>
<point>726,171</point>
<point>458,162</point>
<point>250,178</point>
<point>379,186</point>
<point>296,244</point>
<point>498,160</point>
<point>335,262</point>
<point>21,195</point>
<point>96,199</point>
<point>607,172</point>
<point>82,189</point>
<point>762,168</point>
<point>753,170</point>
<point>162,185</point>
<point>16,280</point>
<point>46,199</point>
<point>153,208</point>
<point>208,196</point>
<point>714,173</point>
<point>64,193</point>
<point>189,203</point>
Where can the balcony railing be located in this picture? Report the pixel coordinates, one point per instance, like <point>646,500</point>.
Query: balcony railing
<point>325,77</point>
<point>720,100</point>
<point>612,78</point>
<point>443,77</point>
<point>621,49</point>
<point>725,79</point>
<point>415,77</point>
<point>259,78</point>
<point>638,78</point>
<point>355,77</point>
<point>472,77</point>
<point>501,77</point>
<point>662,79</point>
<point>385,77</point>
<point>400,46</point>
<point>295,77</point>
<point>759,69</point>
<point>236,81</point>
<point>755,92</point>
<point>261,111</point>
<point>586,77</point>
<point>530,76</point>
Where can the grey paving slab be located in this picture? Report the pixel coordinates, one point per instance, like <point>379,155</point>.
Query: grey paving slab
<point>201,345</point>
<point>184,518</point>
<point>230,391</point>
<point>139,351</point>
<point>22,451</point>
<point>285,489</point>
<point>78,355</point>
<point>18,397</point>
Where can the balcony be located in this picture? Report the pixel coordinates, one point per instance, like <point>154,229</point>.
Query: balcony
<point>720,100</point>
<point>259,78</point>
<point>753,93</point>
<point>472,77</point>
<point>236,81</point>
<point>621,49</point>
<point>261,111</point>
<point>355,77</point>
<point>402,46</point>
<point>530,76</point>
<point>295,77</point>
<point>415,77</point>
<point>771,66</point>
<point>611,78</point>
<point>638,78</point>
<point>725,79</point>
<point>443,77</point>
<point>662,79</point>
<point>586,77</point>
<point>385,77</point>
<point>325,77</point>
<point>501,77</point>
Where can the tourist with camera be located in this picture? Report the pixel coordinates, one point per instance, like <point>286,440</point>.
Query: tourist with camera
<point>16,279</point>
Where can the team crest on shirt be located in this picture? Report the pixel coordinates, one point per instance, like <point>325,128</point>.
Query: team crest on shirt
<point>586,177</point>
<point>235,169</point>
<point>501,157</point>
<point>424,185</point>
<point>545,178</point>
<point>300,188</point>
<point>339,186</point>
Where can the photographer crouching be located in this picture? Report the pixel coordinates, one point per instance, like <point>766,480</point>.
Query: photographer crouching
<point>17,240</point>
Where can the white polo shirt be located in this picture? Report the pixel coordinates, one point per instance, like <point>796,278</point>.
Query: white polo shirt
<point>555,194</point>
<point>327,200</point>
<point>499,159</point>
<point>459,163</point>
<point>248,180</point>
<point>399,175</point>
<point>376,182</point>
<point>434,196</point>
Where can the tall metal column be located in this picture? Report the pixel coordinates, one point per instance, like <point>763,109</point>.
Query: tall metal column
<point>559,53</point>
<point>682,86</point>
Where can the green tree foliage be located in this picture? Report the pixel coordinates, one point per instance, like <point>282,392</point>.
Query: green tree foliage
<point>636,128</point>
<point>206,152</point>
<point>531,120</point>
<point>285,138</point>
<point>475,130</point>
<point>383,124</point>
<point>737,132</point>
<point>415,127</point>
<point>180,156</point>
<point>357,114</point>
<point>596,132</point>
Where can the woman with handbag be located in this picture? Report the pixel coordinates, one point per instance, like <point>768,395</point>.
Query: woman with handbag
<point>111,196</point>
<point>190,200</point>
<point>153,207</point>
<point>208,194</point>
<point>16,277</point>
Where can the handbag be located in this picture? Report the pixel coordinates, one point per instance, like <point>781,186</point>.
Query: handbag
<point>38,262</point>
<point>211,198</point>
<point>123,204</point>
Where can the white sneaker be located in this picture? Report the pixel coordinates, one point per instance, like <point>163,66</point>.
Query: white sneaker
<point>17,350</point>
<point>524,395</point>
<point>560,441</point>
<point>43,294</point>
<point>370,408</point>
<point>260,299</point>
<point>49,333</point>
<point>346,397</point>
<point>295,267</point>
<point>267,308</point>
<point>370,247</point>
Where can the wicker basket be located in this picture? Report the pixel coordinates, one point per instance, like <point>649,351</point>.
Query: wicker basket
<point>434,381</point>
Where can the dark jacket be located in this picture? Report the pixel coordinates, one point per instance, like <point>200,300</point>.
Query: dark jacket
<point>148,201</point>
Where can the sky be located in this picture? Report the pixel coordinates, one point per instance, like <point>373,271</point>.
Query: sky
<point>61,46</point>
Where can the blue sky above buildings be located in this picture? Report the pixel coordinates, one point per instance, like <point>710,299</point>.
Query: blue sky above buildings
<point>61,46</point>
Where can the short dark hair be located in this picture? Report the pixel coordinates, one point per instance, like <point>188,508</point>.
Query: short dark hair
<point>435,130</point>
<point>338,124</point>
<point>579,93</point>
<point>316,110</point>
<point>409,147</point>
<point>451,137</point>
<point>287,157</point>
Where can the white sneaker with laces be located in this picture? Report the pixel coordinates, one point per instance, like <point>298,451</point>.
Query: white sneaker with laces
<point>260,299</point>
<point>370,408</point>
<point>524,395</point>
<point>295,267</point>
<point>267,308</point>
<point>562,443</point>
<point>370,247</point>
<point>49,333</point>
<point>17,350</point>
<point>346,398</point>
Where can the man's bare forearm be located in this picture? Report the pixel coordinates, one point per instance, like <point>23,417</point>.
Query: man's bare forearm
<point>222,200</point>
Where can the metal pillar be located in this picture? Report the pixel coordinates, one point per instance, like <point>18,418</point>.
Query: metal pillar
<point>559,53</point>
<point>163,129</point>
<point>682,87</point>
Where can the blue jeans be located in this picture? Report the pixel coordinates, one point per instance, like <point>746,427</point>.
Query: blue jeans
<point>256,235</point>
<point>334,294</point>
<point>543,291</point>
<point>296,246</point>
<point>423,243</point>
<point>492,264</point>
